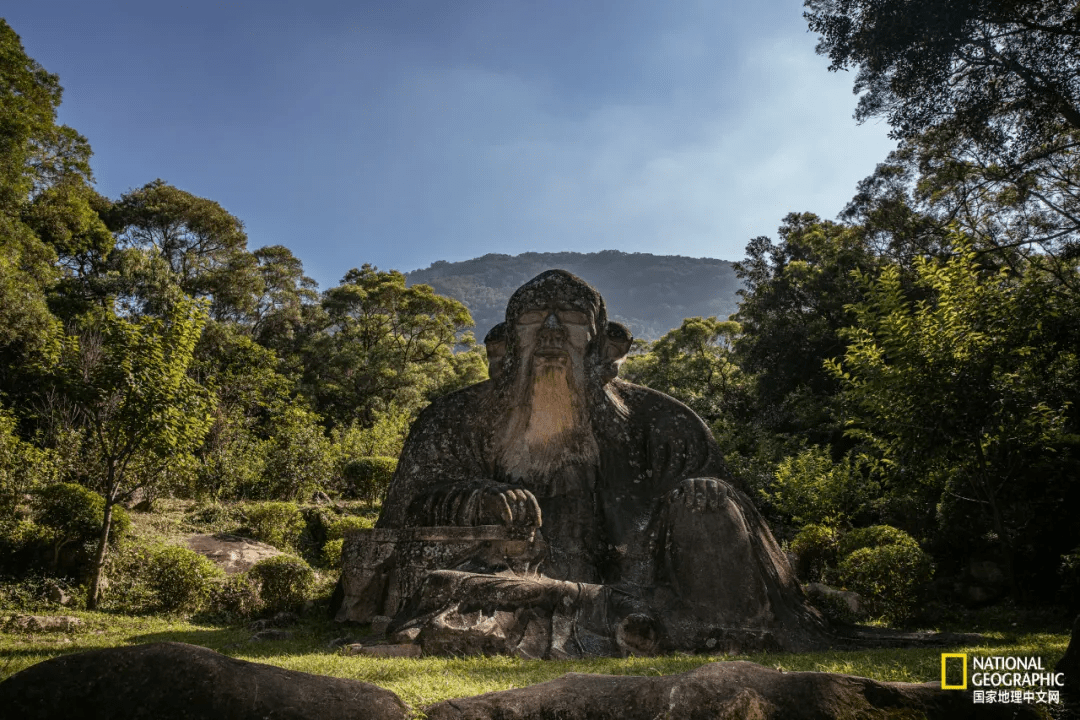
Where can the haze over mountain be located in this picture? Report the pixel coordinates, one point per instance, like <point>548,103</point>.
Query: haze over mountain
<point>651,294</point>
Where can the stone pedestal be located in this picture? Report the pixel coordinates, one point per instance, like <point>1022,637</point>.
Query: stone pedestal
<point>384,567</point>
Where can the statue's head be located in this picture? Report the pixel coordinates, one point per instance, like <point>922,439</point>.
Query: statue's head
<point>553,323</point>
<point>560,352</point>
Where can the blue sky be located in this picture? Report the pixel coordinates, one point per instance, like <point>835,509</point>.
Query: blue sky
<point>401,132</point>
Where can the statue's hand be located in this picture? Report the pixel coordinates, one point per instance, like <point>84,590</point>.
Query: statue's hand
<point>497,504</point>
<point>700,494</point>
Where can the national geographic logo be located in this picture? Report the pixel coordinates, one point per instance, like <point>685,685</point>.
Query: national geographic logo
<point>1001,678</point>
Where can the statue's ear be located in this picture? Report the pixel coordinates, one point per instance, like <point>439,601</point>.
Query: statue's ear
<point>617,341</point>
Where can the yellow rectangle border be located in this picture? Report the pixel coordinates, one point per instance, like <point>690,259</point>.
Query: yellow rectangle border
<point>945,685</point>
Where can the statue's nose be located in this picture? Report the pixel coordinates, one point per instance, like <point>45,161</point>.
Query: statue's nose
<point>552,321</point>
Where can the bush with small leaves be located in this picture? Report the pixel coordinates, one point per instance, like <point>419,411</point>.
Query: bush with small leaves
<point>345,523</point>
<point>180,578</point>
<point>235,598</point>
<point>24,546</point>
<point>815,551</point>
<point>873,536</point>
<point>332,553</point>
<point>369,477</point>
<point>284,581</point>
<point>335,534</point>
<point>276,523</point>
<point>73,515</point>
<point>886,567</point>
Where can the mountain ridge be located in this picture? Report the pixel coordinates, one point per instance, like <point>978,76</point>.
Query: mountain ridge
<point>651,294</point>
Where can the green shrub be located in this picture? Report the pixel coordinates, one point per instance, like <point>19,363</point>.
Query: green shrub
<point>815,551</point>
<point>235,598</point>
<point>887,574</point>
<point>73,515</point>
<point>211,516</point>
<point>368,478</point>
<point>332,553</point>
<point>24,546</point>
<point>284,581</point>
<point>180,578</point>
<point>874,536</point>
<point>811,488</point>
<point>33,593</point>
<point>23,466</point>
<point>276,523</point>
<point>298,457</point>
<point>339,526</point>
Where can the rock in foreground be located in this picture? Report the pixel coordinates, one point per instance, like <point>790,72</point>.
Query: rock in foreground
<point>176,681</point>
<point>723,690</point>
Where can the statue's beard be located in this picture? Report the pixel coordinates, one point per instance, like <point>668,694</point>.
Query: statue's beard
<point>546,429</point>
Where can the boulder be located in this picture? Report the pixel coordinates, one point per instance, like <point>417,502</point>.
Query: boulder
<point>280,620</point>
<point>846,598</point>
<point>176,681</point>
<point>234,554</point>
<point>42,623</point>
<point>56,594</point>
<point>270,635</point>
<point>724,690</point>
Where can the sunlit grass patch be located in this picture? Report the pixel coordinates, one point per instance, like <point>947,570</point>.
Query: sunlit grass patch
<point>422,681</point>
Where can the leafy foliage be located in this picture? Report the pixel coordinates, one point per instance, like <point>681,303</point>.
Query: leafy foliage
<point>812,489</point>
<point>815,549</point>
<point>886,567</point>
<point>181,579</point>
<point>275,523</point>
<point>693,364</point>
<point>235,598</point>
<point>73,515</point>
<point>965,393</point>
<point>382,343</point>
<point>284,581</point>
<point>369,477</point>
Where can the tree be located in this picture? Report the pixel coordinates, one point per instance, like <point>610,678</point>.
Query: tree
<point>793,308</point>
<point>693,364</point>
<point>382,342</point>
<point>283,292</point>
<point>985,97</point>
<point>992,66</point>
<point>202,246</point>
<point>967,395</point>
<point>129,381</point>
<point>36,154</point>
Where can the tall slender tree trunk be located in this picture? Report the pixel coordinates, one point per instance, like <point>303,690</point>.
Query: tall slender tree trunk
<point>103,541</point>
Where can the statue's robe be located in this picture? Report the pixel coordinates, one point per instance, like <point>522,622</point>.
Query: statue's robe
<point>618,531</point>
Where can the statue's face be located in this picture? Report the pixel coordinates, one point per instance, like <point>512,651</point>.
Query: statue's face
<point>555,334</point>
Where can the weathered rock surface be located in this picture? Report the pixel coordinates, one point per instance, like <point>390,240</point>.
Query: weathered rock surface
<point>723,690</point>
<point>851,600</point>
<point>175,681</point>
<point>234,554</point>
<point>42,623</point>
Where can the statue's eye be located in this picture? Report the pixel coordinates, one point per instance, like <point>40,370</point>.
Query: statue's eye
<point>573,317</point>
<point>533,317</point>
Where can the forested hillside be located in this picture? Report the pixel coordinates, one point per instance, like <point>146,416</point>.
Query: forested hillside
<point>651,294</point>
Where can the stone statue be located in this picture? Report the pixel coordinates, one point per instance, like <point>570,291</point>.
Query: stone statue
<point>556,510</point>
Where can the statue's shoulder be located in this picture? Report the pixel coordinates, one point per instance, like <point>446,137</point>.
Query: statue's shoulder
<point>658,409</point>
<point>458,404</point>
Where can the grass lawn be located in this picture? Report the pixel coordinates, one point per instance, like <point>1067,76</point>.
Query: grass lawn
<point>426,680</point>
